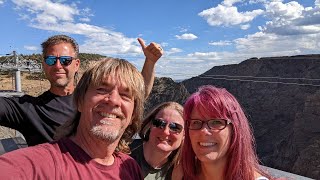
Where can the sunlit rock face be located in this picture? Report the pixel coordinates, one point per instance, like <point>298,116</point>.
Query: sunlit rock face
<point>281,97</point>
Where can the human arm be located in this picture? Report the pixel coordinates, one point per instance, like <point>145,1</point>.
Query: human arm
<point>152,52</point>
<point>10,112</point>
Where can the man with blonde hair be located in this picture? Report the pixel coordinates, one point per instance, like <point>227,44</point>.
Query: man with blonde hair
<point>109,99</point>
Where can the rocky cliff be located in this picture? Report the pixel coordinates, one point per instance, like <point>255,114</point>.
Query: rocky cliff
<point>281,97</point>
<point>165,89</point>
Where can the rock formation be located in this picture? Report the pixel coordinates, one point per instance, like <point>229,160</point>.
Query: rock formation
<point>165,89</point>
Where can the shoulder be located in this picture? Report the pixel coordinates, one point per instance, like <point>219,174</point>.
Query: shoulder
<point>123,157</point>
<point>29,162</point>
<point>125,160</point>
<point>127,165</point>
<point>33,153</point>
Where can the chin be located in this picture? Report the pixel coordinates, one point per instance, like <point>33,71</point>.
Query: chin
<point>166,148</point>
<point>208,158</point>
<point>61,83</point>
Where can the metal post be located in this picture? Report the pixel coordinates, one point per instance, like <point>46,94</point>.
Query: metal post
<point>17,73</point>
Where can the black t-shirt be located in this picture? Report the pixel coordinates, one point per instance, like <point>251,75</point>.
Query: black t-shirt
<point>148,171</point>
<point>36,117</point>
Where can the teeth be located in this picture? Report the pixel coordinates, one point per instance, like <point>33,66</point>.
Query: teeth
<point>107,115</point>
<point>207,144</point>
<point>105,122</point>
<point>163,139</point>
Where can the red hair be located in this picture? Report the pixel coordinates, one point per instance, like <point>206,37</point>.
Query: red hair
<point>219,103</point>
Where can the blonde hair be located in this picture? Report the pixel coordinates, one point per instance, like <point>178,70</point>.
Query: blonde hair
<point>124,72</point>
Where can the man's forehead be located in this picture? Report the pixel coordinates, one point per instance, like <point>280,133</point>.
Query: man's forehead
<point>114,81</point>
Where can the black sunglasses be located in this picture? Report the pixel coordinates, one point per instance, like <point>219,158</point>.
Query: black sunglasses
<point>173,127</point>
<point>213,124</point>
<point>52,60</point>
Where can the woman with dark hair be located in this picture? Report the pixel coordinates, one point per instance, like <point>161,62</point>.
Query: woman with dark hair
<point>219,143</point>
<point>162,133</point>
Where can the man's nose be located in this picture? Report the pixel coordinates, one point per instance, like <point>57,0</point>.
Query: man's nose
<point>58,64</point>
<point>114,98</point>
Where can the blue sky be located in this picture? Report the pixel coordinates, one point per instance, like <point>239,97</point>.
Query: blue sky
<point>195,34</point>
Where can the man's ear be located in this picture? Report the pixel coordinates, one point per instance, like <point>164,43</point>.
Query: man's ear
<point>77,64</point>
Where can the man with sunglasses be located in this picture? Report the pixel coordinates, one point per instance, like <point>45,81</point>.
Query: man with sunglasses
<point>38,117</point>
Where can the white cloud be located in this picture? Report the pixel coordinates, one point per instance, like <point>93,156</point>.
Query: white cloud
<point>260,44</point>
<point>317,3</point>
<point>46,19</point>
<point>279,11</point>
<point>50,16</point>
<point>228,15</point>
<point>85,19</point>
<point>31,48</point>
<point>207,55</point>
<point>164,44</point>
<point>182,30</point>
<point>48,8</point>
<point>291,19</point>
<point>245,26</point>
<point>220,43</point>
<point>230,2</point>
<point>187,36</point>
<point>173,51</point>
<point>86,13</point>
<point>2,2</point>
<point>257,1</point>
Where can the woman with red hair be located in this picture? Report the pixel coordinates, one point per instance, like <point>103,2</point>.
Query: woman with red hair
<point>219,143</point>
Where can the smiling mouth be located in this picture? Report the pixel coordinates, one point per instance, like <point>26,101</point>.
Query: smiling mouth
<point>164,140</point>
<point>107,115</point>
<point>111,115</point>
<point>59,74</point>
<point>207,144</point>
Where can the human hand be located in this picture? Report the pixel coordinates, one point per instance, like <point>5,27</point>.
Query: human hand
<point>153,51</point>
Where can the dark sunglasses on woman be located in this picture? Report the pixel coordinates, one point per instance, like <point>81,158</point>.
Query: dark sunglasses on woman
<point>173,127</point>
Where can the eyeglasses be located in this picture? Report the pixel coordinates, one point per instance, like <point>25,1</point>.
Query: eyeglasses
<point>213,124</point>
<point>64,60</point>
<point>173,127</point>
